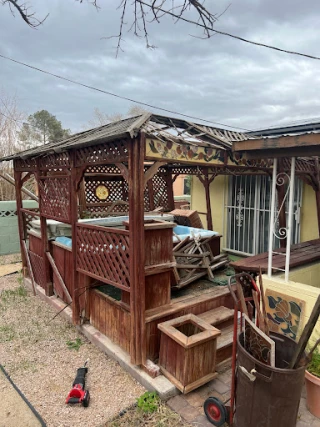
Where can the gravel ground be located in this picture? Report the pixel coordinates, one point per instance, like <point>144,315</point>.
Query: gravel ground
<point>35,353</point>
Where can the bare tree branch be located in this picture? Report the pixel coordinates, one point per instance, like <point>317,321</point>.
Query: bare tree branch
<point>149,11</point>
<point>156,10</point>
<point>24,12</point>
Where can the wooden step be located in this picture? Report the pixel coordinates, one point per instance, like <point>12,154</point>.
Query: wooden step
<point>224,344</point>
<point>220,317</point>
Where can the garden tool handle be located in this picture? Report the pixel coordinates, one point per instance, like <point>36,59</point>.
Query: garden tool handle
<point>249,375</point>
<point>254,374</point>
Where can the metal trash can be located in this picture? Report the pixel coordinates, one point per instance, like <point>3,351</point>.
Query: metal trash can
<point>266,396</point>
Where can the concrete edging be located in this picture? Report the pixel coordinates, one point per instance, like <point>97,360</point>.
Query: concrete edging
<point>160,384</point>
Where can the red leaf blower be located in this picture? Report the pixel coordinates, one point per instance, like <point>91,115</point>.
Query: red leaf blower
<point>78,394</point>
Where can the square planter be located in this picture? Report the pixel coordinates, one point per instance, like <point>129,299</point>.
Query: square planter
<point>188,351</point>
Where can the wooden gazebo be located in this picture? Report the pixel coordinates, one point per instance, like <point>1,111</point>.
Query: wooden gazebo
<point>124,168</point>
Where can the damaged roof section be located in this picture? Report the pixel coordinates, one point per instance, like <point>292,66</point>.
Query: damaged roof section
<point>155,126</point>
<point>181,131</point>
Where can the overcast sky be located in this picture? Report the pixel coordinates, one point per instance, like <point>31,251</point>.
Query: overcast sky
<point>220,79</point>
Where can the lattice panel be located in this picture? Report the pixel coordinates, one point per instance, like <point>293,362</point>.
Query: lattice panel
<point>55,195</point>
<point>38,269</point>
<point>104,255</point>
<point>109,151</point>
<point>55,161</point>
<point>185,170</point>
<point>103,169</point>
<point>101,210</point>
<point>146,200</point>
<point>160,191</point>
<point>117,190</point>
<point>25,165</point>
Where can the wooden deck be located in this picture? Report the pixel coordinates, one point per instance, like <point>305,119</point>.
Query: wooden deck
<point>300,254</point>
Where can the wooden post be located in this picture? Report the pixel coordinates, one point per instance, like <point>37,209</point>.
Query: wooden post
<point>137,255</point>
<point>208,201</point>
<point>206,183</point>
<point>169,182</point>
<point>45,249</point>
<point>151,194</point>
<point>76,176</point>
<point>22,236</point>
<point>82,197</point>
<point>45,244</point>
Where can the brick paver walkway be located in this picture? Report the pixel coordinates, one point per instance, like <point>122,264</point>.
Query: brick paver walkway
<point>190,406</point>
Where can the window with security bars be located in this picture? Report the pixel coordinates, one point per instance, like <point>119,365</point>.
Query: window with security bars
<point>248,214</point>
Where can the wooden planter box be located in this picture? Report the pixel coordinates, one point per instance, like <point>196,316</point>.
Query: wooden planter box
<point>188,351</point>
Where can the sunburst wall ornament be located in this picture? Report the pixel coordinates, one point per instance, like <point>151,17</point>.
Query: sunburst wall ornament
<point>102,192</point>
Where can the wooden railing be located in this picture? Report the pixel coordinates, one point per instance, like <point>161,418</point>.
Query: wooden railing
<point>103,253</point>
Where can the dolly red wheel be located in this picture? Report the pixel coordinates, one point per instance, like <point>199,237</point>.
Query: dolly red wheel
<point>215,411</point>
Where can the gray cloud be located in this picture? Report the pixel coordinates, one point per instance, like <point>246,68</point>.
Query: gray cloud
<point>219,79</point>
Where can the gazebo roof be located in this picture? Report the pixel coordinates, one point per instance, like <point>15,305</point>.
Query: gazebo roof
<point>155,126</point>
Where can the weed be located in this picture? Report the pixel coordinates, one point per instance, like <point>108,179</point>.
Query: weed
<point>314,365</point>
<point>134,416</point>
<point>148,402</point>
<point>9,294</point>
<point>220,281</point>
<point>7,333</point>
<point>20,278</point>
<point>229,271</point>
<point>74,344</point>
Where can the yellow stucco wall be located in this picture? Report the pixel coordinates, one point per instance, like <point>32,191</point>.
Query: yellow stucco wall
<point>309,275</point>
<point>308,217</point>
<point>302,291</point>
<point>178,185</point>
<point>217,194</point>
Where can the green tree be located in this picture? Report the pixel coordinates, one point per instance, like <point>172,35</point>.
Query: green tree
<point>41,128</point>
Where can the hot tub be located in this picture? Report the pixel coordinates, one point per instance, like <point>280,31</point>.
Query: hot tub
<point>181,232</point>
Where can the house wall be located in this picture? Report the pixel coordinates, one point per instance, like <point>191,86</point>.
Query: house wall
<point>301,291</point>
<point>309,275</point>
<point>308,216</point>
<point>178,186</point>
<point>217,198</point>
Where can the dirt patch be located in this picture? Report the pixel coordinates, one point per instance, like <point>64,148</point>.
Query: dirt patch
<point>10,259</point>
<point>42,357</point>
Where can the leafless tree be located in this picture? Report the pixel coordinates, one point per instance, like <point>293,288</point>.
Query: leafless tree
<point>100,118</point>
<point>10,124</point>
